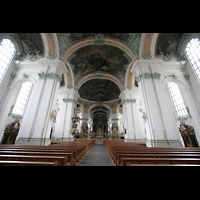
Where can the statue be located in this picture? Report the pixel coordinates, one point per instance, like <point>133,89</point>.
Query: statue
<point>188,134</point>
<point>74,120</point>
<point>74,126</point>
<point>10,133</point>
<point>114,128</point>
<point>84,129</point>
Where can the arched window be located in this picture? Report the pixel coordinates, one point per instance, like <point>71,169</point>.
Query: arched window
<point>177,99</point>
<point>193,54</point>
<point>7,51</point>
<point>22,99</point>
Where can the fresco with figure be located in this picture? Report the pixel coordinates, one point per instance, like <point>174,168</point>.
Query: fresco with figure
<point>99,90</point>
<point>167,43</point>
<point>28,43</point>
<point>93,58</point>
<point>78,36</point>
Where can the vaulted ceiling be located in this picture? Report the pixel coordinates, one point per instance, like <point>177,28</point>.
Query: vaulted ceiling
<point>98,61</point>
<point>99,90</point>
<point>93,58</point>
<point>100,115</point>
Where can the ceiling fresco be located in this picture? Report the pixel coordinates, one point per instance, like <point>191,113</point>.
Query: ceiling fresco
<point>99,90</point>
<point>105,58</point>
<point>168,43</point>
<point>79,36</point>
<point>30,44</point>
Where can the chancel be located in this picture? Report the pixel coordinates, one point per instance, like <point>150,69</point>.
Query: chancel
<point>114,93</point>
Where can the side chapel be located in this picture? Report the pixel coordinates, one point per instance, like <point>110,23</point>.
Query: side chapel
<point>140,87</point>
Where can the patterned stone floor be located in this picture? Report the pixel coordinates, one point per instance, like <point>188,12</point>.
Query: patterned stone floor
<point>97,156</point>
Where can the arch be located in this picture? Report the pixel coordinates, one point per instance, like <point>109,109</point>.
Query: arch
<point>146,41</point>
<point>18,82</point>
<point>183,84</point>
<point>13,40</point>
<point>153,44</point>
<point>184,41</point>
<point>70,75</point>
<point>45,43</point>
<point>101,76</point>
<point>51,43</point>
<point>86,42</point>
<point>94,105</point>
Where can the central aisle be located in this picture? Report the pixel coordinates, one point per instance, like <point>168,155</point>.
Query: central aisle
<point>97,156</point>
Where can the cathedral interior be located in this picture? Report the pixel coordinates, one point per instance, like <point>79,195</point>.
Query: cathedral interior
<point>115,84</point>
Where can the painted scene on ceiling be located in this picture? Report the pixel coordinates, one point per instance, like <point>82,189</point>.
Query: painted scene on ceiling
<point>93,58</point>
<point>99,90</point>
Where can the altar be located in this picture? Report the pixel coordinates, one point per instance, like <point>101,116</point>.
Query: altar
<point>99,137</point>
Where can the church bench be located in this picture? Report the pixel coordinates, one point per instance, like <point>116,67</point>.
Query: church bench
<point>128,161</point>
<point>115,148</point>
<point>27,163</point>
<point>77,149</point>
<point>70,156</point>
<point>168,165</point>
<point>120,156</point>
<point>61,160</point>
<point>128,152</point>
<point>74,153</point>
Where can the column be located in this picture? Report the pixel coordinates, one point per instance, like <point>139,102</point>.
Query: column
<point>160,124</point>
<point>36,124</point>
<point>128,116</point>
<point>138,131</point>
<point>60,120</point>
<point>71,104</point>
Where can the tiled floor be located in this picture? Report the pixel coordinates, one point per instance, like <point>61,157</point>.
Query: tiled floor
<point>97,156</point>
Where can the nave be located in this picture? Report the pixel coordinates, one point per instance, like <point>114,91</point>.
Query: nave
<point>97,153</point>
<point>97,156</point>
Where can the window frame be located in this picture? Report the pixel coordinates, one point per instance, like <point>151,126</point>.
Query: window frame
<point>11,59</point>
<point>174,105</point>
<point>26,100</point>
<point>192,60</point>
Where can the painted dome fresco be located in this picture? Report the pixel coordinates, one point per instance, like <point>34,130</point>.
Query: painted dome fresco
<point>93,58</point>
<point>99,90</point>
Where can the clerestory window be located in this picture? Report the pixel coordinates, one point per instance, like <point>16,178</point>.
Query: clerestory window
<point>177,99</point>
<point>7,51</point>
<point>22,99</point>
<point>193,54</point>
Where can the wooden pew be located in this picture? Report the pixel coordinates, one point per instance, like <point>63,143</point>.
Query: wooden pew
<point>168,165</point>
<point>65,153</point>
<point>26,163</point>
<point>69,159</point>
<point>120,156</point>
<point>124,154</point>
<point>61,160</point>
<point>128,161</point>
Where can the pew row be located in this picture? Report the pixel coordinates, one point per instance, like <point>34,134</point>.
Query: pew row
<point>68,153</point>
<point>134,154</point>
